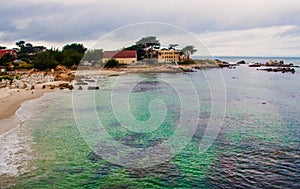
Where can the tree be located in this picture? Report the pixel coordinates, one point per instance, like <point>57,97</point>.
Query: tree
<point>5,59</point>
<point>112,63</point>
<point>2,47</point>
<point>74,47</point>
<point>29,45</point>
<point>173,46</point>
<point>20,44</point>
<point>28,51</point>
<point>141,54</point>
<point>71,58</point>
<point>45,60</point>
<point>189,50</point>
<point>93,56</point>
<point>38,49</point>
<point>148,43</point>
<point>72,54</point>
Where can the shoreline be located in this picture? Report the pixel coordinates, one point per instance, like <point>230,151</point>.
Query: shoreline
<point>11,100</point>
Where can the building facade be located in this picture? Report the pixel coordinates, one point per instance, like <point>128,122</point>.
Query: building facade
<point>168,56</point>
<point>123,57</point>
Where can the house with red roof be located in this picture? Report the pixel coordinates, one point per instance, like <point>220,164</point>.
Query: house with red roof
<point>7,51</point>
<point>123,57</point>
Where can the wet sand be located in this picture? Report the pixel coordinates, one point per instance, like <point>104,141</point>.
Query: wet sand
<point>11,101</point>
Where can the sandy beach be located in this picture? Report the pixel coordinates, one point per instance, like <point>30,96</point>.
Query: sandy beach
<point>11,100</point>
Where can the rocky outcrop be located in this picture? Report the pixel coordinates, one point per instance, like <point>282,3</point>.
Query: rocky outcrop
<point>241,62</point>
<point>187,69</point>
<point>255,65</point>
<point>65,86</point>
<point>31,79</point>
<point>279,69</point>
<point>274,63</point>
<point>62,73</point>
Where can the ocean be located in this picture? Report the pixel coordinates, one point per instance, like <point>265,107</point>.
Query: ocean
<point>215,128</point>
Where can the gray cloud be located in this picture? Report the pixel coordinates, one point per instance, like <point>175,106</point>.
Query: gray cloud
<point>82,20</point>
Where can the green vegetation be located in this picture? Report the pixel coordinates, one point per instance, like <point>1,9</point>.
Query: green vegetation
<point>45,60</point>
<point>189,50</point>
<point>72,54</point>
<point>69,56</point>
<point>112,63</point>
<point>145,47</point>
<point>187,62</point>
<point>29,56</point>
<point>6,59</point>
<point>93,56</point>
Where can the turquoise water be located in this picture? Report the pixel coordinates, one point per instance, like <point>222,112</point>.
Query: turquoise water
<point>256,147</point>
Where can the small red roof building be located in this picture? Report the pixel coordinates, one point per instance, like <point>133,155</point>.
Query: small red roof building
<point>7,51</point>
<point>120,54</point>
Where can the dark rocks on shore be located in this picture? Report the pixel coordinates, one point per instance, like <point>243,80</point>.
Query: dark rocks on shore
<point>187,69</point>
<point>227,65</point>
<point>93,88</point>
<point>241,62</point>
<point>274,63</point>
<point>81,83</point>
<point>255,65</point>
<point>90,80</point>
<point>279,69</point>
<point>65,86</point>
<point>113,75</point>
<point>224,64</point>
<point>197,67</point>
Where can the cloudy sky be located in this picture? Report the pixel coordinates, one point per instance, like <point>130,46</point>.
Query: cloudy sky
<point>225,27</point>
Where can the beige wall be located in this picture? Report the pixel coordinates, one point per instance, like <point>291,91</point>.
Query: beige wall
<point>168,56</point>
<point>121,60</point>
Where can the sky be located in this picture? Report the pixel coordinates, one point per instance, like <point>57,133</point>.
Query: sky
<point>225,27</point>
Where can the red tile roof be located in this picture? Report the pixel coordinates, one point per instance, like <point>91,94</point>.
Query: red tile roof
<point>120,54</point>
<point>6,51</point>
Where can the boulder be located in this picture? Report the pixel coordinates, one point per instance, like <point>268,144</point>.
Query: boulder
<point>241,62</point>
<point>93,88</point>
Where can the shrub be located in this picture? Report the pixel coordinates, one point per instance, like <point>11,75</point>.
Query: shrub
<point>187,62</point>
<point>112,63</point>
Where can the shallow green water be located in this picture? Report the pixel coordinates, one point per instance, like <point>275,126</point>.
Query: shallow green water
<point>258,145</point>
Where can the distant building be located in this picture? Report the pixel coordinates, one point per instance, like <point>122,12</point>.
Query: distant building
<point>124,57</point>
<point>170,55</point>
<point>166,55</point>
<point>7,51</point>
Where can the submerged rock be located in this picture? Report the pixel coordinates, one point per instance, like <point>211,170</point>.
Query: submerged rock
<point>93,88</point>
